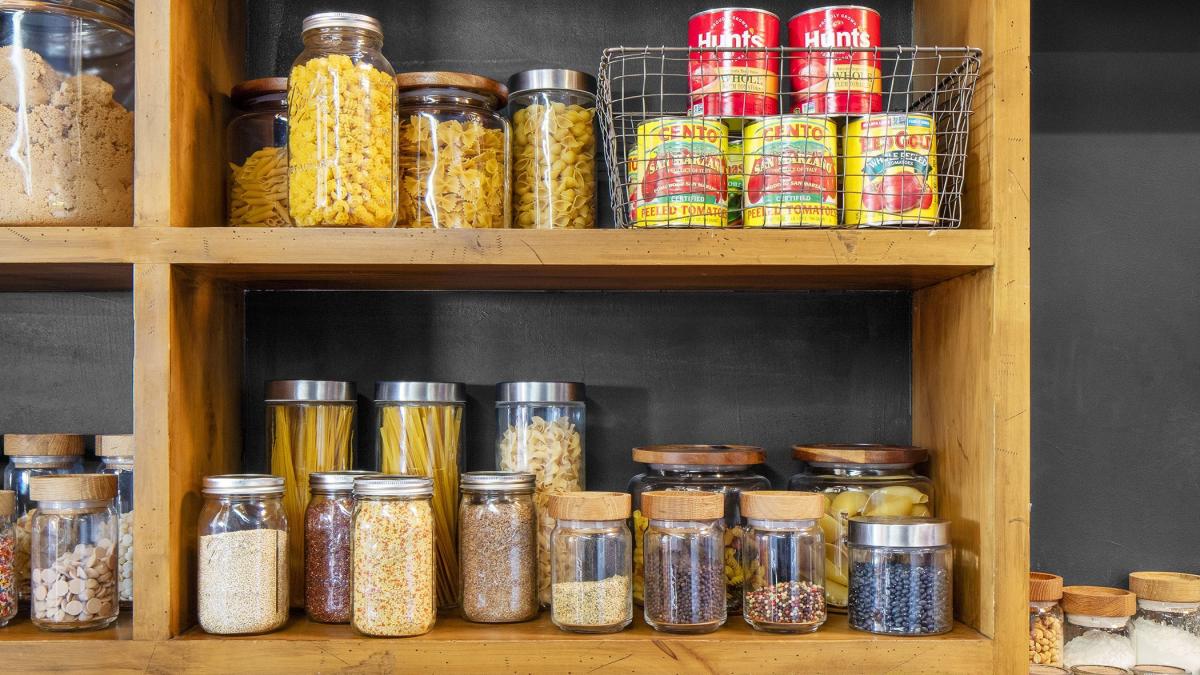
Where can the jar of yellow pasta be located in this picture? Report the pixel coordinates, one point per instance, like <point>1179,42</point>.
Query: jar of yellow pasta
<point>452,150</point>
<point>341,113</point>
<point>257,146</point>
<point>554,148</point>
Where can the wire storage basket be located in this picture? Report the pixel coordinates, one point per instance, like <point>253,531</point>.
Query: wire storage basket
<point>687,143</point>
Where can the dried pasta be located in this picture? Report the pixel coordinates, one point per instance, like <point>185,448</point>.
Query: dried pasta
<point>452,173</point>
<point>554,159</point>
<point>258,190</point>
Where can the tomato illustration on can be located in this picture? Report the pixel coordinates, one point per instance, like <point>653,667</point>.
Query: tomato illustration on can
<point>735,173</point>
<point>891,170</point>
<point>791,172</point>
<point>835,83</point>
<point>731,73</point>
<point>680,176</point>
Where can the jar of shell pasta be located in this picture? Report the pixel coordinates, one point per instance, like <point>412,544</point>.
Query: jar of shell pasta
<point>258,159</point>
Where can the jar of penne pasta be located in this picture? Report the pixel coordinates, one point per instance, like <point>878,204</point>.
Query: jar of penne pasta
<point>257,146</point>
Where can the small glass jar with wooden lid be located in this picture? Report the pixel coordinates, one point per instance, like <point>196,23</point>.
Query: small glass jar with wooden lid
<point>684,558</point>
<point>1166,628</point>
<point>258,160</point>
<point>1098,669</point>
<point>783,554</point>
<point>1156,669</point>
<point>591,555</point>
<point>1098,626</point>
<point>1042,669</point>
<point>1045,619</point>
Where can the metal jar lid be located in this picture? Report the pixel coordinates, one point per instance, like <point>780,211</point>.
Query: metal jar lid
<point>497,481</point>
<point>393,486</point>
<point>551,78</point>
<point>341,20</point>
<point>420,392</point>
<point>335,481</point>
<point>898,531</point>
<point>243,484</point>
<point>310,391</point>
<point>539,392</point>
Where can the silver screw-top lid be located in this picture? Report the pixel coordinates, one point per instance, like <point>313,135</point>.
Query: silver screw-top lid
<point>551,78</point>
<point>898,531</point>
<point>393,486</point>
<point>539,392</point>
<point>341,20</point>
<point>420,392</point>
<point>306,391</point>
<point>243,484</point>
<point>497,481</point>
<point>335,481</point>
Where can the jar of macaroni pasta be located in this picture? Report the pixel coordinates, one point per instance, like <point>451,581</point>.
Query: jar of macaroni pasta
<point>1098,630</point>
<point>554,148</point>
<point>783,555</point>
<point>498,547</point>
<point>341,123</point>
<point>1166,628</point>
<point>684,561</point>
<point>258,159</point>
<point>8,544</point>
<point>327,545</point>
<point>1045,619</point>
<point>453,151</point>
<point>116,458</point>
<point>591,562</point>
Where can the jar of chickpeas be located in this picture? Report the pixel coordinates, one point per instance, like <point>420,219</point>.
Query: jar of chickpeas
<point>554,149</point>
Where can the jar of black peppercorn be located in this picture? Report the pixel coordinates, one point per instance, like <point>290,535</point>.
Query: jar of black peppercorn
<point>684,559</point>
<point>900,575</point>
<point>327,545</point>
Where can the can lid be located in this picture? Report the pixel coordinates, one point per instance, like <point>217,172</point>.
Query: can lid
<point>441,78</point>
<point>733,9</point>
<point>393,485</point>
<point>78,487</point>
<point>304,391</point>
<point>43,445</point>
<point>244,92</point>
<point>590,505</point>
<point>8,502</point>
<point>497,481</point>
<point>782,505</point>
<point>1043,669</point>
<point>539,392</point>
<point>1045,587</point>
<point>243,484</point>
<point>1098,601</point>
<point>401,391</point>
<point>859,453</point>
<point>683,505</point>
<point>826,8</point>
<point>898,531</point>
<point>341,20</point>
<point>117,445</point>
<point>551,78</point>
<point>335,481</point>
<point>700,455</point>
<point>1165,586</point>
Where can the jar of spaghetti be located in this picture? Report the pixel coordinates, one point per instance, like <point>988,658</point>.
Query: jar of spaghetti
<point>258,160</point>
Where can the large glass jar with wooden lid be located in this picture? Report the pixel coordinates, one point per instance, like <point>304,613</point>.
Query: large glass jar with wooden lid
<point>783,554</point>
<point>1166,628</point>
<point>723,469</point>
<point>1045,619</point>
<point>859,480</point>
<point>684,561</point>
<point>1098,627</point>
<point>258,159</point>
<point>116,458</point>
<point>591,561</point>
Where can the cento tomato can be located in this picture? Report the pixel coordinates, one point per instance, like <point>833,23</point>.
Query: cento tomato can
<point>730,72</point>
<point>835,83</point>
<point>791,172</point>
<point>735,176</point>
<point>680,173</point>
<point>891,170</point>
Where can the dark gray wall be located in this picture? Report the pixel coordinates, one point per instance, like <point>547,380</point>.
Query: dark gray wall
<point>1116,289</point>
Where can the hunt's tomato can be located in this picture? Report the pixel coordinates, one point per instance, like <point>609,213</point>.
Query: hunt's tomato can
<point>731,72</point>
<point>679,173</point>
<point>839,82</point>
<point>791,172</point>
<point>891,170</point>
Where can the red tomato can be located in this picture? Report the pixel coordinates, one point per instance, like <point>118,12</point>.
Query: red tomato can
<point>835,83</point>
<point>731,73</point>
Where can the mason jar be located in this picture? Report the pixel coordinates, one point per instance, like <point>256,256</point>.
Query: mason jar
<point>1166,628</point>
<point>258,160</point>
<point>242,581</point>
<point>498,547</point>
<point>1045,619</point>
<point>685,563</point>
<point>783,554</point>
<point>73,552</point>
<point>327,522</point>
<point>592,559</point>
<point>900,575</point>
<point>116,458</point>
<point>8,543</point>
<point>1098,630</point>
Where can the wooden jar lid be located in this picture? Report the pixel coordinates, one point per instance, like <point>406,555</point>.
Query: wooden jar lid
<point>683,505</point>
<point>8,502</point>
<point>441,78</point>
<point>700,455</point>
<point>1165,586</point>
<point>782,505</point>
<point>855,453</point>
<point>43,445</point>
<point>80,487</point>
<point>1098,601</point>
<point>590,505</point>
<point>114,445</point>
<point>1045,587</point>
<point>252,89</point>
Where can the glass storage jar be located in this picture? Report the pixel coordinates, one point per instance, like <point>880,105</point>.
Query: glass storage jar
<point>900,575</point>
<point>859,480</point>
<point>341,125</point>
<point>453,151</point>
<point>73,543</point>
<point>393,565</point>
<point>67,99</point>
<point>1098,626</point>
<point>1166,628</point>
<point>554,148</point>
<point>1154,669</point>
<point>783,554</point>
<point>421,434</point>
<point>592,559</point>
<point>724,469</point>
<point>1039,669</point>
<point>31,455</point>
<point>258,160</point>
<point>684,561</point>
<point>498,547</point>
<point>8,544</point>
<point>327,523</point>
<point>1098,670</point>
<point>116,458</point>
<point>1045,619</point>
<point>541,429</point>
<point>310,428</point>
<point>242,582</point>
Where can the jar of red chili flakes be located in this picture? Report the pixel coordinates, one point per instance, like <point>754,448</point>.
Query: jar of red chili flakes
<point>327,545</point>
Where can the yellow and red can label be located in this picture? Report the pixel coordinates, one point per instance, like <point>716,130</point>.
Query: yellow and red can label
<point>677,176</point>
<point>891,170</point>
<point>791,172</point>
<point>735,176</point>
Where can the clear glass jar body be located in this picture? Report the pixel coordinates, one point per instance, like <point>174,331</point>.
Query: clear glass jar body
<point>72,544</point>
<point>341,124</point>
<point>1168,633</point>
<point>258,163</point>
<point>17,474</point>
<point>901,591</point>
<point>547,440</point>
<point>304,438</point>
<point>730,481</point>
<point>327,526</point>
<point>453,152</point>
<point>8,571</point>
<point>498,547</point>
<point>1098,641</point>
<point>1045,633</point>
<point>67,107</point>
<point>122,468</point>
<point>393,566</point>
<point>242,585</point>
<point>859,490</point>
<point>784,563</point>
<point>590,575</point>
<point>554,159</point>
<point>685,575</point>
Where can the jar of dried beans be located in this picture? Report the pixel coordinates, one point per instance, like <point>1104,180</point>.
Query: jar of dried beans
<point>684,558</point>
<point>498,547</point>
<point>783,554</point>
<point>554,148</point>
<point>327,545</point>
<point>392,547</point>
<point>116,458</point>
<point>1045,619</point>
<point>591,562</point>
<point>900,575</point>
<point>8,544</point>
<point>73,552</point>
<point>258,159</point>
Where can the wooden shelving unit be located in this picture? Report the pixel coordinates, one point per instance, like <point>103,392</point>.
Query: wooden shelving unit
<point>970,365</point>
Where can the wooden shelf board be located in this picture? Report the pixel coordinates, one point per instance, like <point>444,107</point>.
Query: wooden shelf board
<point>21,630</point>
